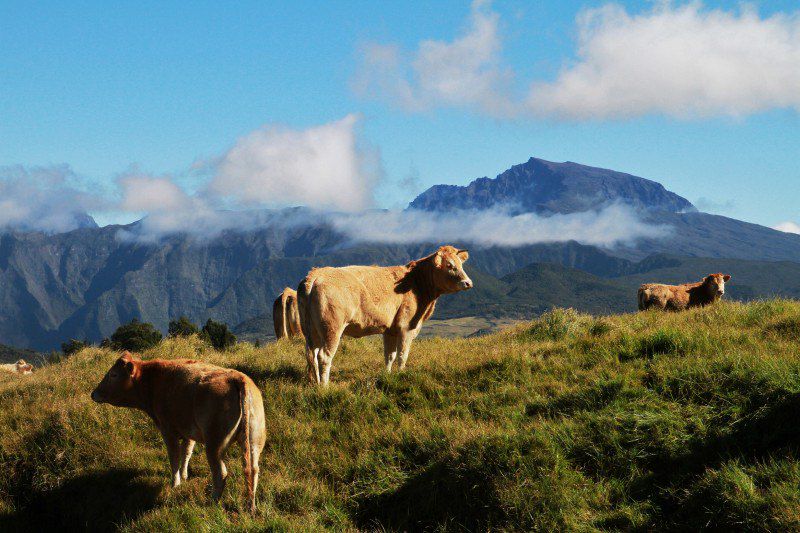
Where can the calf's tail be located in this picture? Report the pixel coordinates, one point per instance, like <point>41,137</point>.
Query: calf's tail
<point>247,451</point>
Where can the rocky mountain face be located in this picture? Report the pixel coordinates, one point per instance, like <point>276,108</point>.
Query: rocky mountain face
<point>84,283</point>
<point>544,187</point>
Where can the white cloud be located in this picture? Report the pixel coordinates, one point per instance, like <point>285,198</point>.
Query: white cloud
<point>681,60</point>
<point>611,226</point>
<point>43,199</point>
<point>464,72</point>
<point>323,166</point>
<point>788,227</point>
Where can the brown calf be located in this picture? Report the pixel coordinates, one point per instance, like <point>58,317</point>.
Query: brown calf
<point>681,297</point>
<point>285,315</point>
<point>191,401</point>
<point>368,300</point>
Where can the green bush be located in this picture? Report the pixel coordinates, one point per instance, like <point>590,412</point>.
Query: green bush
<point>218,335</point>
<point>135,336</point>
<point>182,327</point>
<point>73,346</point>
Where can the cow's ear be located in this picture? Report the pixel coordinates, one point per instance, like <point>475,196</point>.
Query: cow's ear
<point>463,255</point>
<point>129,367</point>
<point>726,277</point>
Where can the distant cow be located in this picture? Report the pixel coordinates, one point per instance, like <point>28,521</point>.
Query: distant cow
<point>368,300</point>
<point>681,297</point>
<point>191,401</point>
<point>285,315</point>
<point>20,367</point>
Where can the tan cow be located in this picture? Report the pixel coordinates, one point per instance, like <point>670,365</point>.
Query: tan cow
<point>285,315</point>
<point>369,300</point>
<point>20,367</point>
<point>681,297</point>
<point>191,401</point>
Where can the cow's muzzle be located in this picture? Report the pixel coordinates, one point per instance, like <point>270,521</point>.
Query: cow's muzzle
<point>96,397</point>
<point>465,284</point>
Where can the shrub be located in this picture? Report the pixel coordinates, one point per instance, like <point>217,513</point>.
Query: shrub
<point>182,327</point>
<point>135,336</point>
<point>556,325</point>
<point>218,335</point>
<point>74,346</point>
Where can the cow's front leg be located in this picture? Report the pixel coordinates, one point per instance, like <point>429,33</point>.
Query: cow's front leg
<point>405,346</point>
<point>174,453</point>
<point>389,350</point>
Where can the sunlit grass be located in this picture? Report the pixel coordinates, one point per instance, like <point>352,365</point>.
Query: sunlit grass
<point>571,422</point>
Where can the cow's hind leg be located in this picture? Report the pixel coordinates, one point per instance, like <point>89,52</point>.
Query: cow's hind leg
<point>312,362</point>
<point>326,354</point>
<point>187,447</point>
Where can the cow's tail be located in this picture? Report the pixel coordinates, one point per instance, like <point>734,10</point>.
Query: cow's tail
<point>278,318</point>
<point>247,448</point>
<point>643,295</point>
<point>303,292</point>
<point>303,304</point>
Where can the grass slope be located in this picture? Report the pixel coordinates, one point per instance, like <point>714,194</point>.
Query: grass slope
<point>631,422</point>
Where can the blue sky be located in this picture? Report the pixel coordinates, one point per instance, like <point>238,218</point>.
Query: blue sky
<point>151,88</point>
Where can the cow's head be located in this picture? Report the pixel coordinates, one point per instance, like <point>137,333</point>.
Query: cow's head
<point>23,367</point>
<point>715,284</point>
<point>448,265</point>
<point>117,386</point>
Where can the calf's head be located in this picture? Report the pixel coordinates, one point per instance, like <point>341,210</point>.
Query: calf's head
<point>117,386</point>
<point>715,284</point>
<point>449,272</point>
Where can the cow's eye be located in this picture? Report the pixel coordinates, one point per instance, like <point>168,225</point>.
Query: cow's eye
<point>113,375</point>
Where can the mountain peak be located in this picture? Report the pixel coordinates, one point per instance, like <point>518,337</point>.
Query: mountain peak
<point>546,187</point>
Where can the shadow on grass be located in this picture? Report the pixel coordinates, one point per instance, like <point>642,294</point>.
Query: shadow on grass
<point>282,372</point>
<point>96,501</point>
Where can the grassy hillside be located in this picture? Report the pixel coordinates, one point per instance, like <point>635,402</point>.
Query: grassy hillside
<point>631,422</point>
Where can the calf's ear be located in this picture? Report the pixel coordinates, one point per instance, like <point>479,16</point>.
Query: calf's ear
<point>726,277</point>
<point>129,367</point>
<point>463,255</point>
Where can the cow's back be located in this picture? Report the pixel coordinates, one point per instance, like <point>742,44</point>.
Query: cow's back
<point>363,296</point>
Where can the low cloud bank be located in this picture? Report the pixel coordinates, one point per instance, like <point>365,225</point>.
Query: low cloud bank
<point>324,167</point>
<point>614,225</point>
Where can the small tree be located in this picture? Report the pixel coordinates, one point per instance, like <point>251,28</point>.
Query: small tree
<point>135,336</point>
<point>182,327</point>
<point>218,335</point>
<point>73,346</point>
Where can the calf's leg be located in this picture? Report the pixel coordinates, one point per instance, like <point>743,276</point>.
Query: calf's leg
<point>186,453</point>
<point>174,453</point>
<point>219,473</point>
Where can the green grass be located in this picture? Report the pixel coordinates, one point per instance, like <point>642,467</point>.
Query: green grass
<point>631,422</point>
